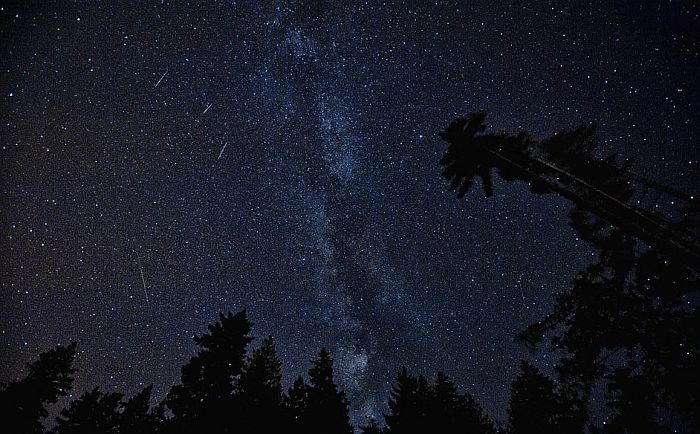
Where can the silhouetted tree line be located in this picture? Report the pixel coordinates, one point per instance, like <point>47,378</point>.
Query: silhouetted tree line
<point>630,320</point>
<point>224,390</point>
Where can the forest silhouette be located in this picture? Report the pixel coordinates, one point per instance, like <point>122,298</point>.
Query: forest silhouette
<point>628,324</point>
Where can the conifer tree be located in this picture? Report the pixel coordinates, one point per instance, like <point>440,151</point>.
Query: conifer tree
<point>137,416</point>
<point>205,398</point>
<point>632,402</point>
<point>565,164</point>
<point>446,403</point>
<point>259,391</point>
<point>419,407</point>
<point>93,412</point>
<point>453,412</point>
<point>536,407</point>
<point>98,412</point>
<point>327,407</point>
<point>24,402</point>
<point>407,404</point>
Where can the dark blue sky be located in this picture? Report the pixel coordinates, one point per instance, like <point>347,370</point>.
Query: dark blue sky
<point>283,157</point>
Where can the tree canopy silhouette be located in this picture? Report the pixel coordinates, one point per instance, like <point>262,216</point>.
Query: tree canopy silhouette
<point>296,401</point>
<point>259,391</point>
<point>326,408</point>
<point>204,399</point>
<point>96,412</point>
<point>416,406</point>
<point>253,401</point>
<point>535,407</point>
<point>24,402</point>
<point>627,319</point>
<point>566,164</point>
<point>92,412</point>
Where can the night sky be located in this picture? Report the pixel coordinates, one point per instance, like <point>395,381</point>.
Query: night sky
<point>163,162</point>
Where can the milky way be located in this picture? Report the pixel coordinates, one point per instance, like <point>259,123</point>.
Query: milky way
<point>166,162</point>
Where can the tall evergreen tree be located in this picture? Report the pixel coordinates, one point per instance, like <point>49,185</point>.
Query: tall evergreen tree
<point>408,404</point>
<point>327,407</point>
<point>453,412</point>
<point>419,407</point>
<point>24,402</point>
<point>259,391</point>
<point>633,404</point>
<point>205,398</point>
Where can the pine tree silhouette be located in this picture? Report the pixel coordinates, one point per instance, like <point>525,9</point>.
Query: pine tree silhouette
<point>24,402</point>
<point>452,412</point>
<point>536,407</point>
<point>633,403</point>
<point>408,404</point>
<point>419,407</point>
<point>204,401</point>
<point>628,311</point>
<point>222,391</point>
<point>259,391</point>
<point>327,407</point>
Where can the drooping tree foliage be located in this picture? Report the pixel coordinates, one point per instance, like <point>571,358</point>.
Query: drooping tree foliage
<point>566,164</point>
<point>629,318</point>
<point>25,402</point>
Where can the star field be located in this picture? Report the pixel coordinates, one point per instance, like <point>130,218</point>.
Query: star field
<point>164,162</point>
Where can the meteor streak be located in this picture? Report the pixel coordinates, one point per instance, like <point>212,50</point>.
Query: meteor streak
<point>161,78</point>
<point>143,280</point>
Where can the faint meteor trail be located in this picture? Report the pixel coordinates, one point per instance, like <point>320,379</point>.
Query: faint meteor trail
<point>208,107</point>
<point>222,152</point>
<point>161,78</point>
<point>143,281</point>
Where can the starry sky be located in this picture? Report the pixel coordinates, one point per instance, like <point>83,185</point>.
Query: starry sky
<point>165,161</point>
